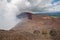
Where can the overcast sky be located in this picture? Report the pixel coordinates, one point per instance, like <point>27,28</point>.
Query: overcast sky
<point>10,8</point>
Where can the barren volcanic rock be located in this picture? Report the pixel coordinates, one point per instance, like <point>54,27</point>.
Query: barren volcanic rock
<point>37,22</point>
<point>46,27</point>
<point>34,27</point>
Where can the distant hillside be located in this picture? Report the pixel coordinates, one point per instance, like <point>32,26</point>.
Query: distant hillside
<point>49,13</point>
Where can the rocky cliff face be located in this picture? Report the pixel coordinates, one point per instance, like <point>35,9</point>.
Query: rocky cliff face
<point>37,22</point>
<point>35,27</point>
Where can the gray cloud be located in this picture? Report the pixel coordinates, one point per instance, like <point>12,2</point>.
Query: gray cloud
<point>8,0</point>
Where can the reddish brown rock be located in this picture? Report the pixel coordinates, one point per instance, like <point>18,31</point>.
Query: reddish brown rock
<point>34,27</point>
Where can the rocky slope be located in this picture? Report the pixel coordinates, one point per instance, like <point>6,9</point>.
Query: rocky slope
<point>34,27</point>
